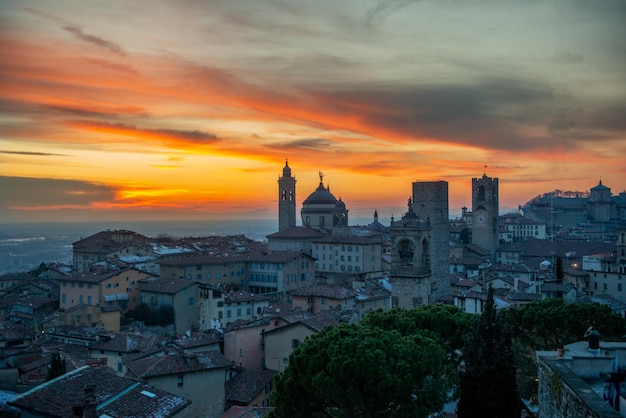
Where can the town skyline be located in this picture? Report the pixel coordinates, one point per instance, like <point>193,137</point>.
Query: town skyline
<point>131,111</point>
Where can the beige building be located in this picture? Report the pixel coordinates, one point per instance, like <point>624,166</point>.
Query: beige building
<point>102,288</point>
<point>199,376</point>
<point>81,315</point>
<point>280,342</point>
<point>180,294</point>
<point>321,297</point>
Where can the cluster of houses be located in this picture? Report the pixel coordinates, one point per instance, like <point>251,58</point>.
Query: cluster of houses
<point>240,307</point>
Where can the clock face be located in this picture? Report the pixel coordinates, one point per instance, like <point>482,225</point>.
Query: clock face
<point>480,219</point>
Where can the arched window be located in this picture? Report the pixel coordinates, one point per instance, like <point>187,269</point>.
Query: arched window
<point>405,251</point>
<point>480,193</point>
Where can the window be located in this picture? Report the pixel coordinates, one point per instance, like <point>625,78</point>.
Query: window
<point>116,285</point>
<point>322,300</point>
<point>64,298</point>
<point>295,343</point>
<point>180,380</point>
<point>229,313</point>
<point>108,286</point>
<point>190,302</point>
<point>88,300</point>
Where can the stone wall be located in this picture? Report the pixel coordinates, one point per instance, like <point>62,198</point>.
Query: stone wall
<point>563,394</point>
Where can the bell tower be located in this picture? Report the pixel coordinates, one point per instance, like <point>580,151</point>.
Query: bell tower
<point>485,211</point>
<point>286,199</point>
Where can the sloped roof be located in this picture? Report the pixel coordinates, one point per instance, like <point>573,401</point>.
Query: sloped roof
<point>173,361</point>
<point>327,291</point>
<point>125,342</point>
<point>296,232</point>
<point>247,384</point>
<point>161,285</point>
<point>247,412</point>
<point>114,395</point>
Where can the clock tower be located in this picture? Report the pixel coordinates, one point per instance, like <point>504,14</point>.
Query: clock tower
<point>485,211</point>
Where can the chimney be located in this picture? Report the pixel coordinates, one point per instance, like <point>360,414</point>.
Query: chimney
<point>89,402</point>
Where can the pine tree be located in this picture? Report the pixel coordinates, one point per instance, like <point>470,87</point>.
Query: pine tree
<point>488,385</point>
<point>57,366</point>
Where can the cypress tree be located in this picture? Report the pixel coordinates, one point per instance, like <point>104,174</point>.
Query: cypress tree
<point>488,383</point>
<point>57,366</point>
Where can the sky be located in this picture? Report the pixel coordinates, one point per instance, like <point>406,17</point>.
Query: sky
<point>188,109</point>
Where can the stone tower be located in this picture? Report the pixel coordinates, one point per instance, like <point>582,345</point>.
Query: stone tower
<point>286,199</point>
<point>600,206</point>
<point>485,211</point>
<point>430,203</point>
<point>410,260</point>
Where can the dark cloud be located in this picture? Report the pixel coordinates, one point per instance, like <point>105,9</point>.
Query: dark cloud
<point>303,144</point>
<point>383,8</point>
<point>492,113</point>
<point>95,40</point>
<point>25,192</point>
<point>194,136</point>
<point>44,111</point>
<point>38,154</point>
<point>113,66</point>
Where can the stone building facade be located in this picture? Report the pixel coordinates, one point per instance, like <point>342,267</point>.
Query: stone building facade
<point>430,202</point>
<point>485,212</point>
<point>411,269</point>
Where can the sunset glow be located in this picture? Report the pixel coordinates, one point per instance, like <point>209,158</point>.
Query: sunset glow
<point>188,110</point>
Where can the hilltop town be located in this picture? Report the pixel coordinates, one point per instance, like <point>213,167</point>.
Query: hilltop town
<point>199,326</point>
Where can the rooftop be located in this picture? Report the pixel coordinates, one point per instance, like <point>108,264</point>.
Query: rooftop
<point>113,394</point>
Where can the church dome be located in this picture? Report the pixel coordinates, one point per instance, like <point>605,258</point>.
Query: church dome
<point>340,204</point>
<point>321,196</point>
<point>286,170</point>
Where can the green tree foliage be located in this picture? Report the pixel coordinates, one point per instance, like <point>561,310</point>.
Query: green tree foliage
<point>550,324</point>
<point>141,313</point>
<point>360,371</point>
<point>446,323</point>
<point>488,382</point>
<point>465,236</point>
<point>164,315</point>
<point>57,366</point>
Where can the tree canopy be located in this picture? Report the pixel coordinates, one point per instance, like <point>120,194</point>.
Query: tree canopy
<point>488,382</point>
<point>356,370</point>
<point>446,323</point>
<point>550,323</point>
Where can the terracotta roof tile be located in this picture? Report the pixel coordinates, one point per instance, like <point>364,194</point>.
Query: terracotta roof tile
<point>247,384</point>
<point>172,361</point>
<point>113,394</point>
